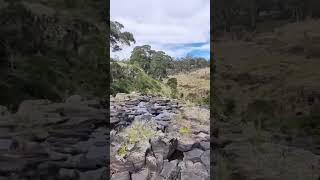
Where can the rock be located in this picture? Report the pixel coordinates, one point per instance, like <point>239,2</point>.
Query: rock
<point>81,162</point>
<point>97,153</point>
<point>159,162</point>
<point>271,160</point>
<point>141,105</point>
<point>3,111</point>
<point>121,176</point>
<point>141,110</point>
<point>5,145</point>
<point>137,159</point>
<point>185,145</point>
<point>170,169</point>
<point>203,136</point>
<point>164,116</point>
<point>205,145</point>
<point>194,171</point>
<point>193,155</point>
<point>205,158</point>
<point>7,122</point>
<point>93,175</point>
<point>74,99</point>
<point>40,134</point>
<point>142,175</point>
<point>68,174</point>
<point>55,156</point>
<point>151,163</point>
<point>162,125</point>
<point>12,164</point>
<point>114,120</point>
<point>144,117</point>
<point>31,106</point>
<point>160,147</point>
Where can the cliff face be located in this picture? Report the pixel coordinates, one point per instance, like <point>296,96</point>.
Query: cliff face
<point>55,40</point>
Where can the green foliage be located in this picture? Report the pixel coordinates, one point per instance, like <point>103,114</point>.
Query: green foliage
<point>204,100</point>
<point>261,112</point>
<point>118,38</point>
<point>142,56</point>
<point>306,125</point>
<point>224,171</point>
<point>184,130</point>
<point>139,131</point>
<point>154,63</point>
<point>244,15</point>
<point>122,151</point>
<point>38,63</point>
<point>172,83</point>
<point>311,123</point>
<point>128,77</point>
<point>188,64</point>
<point>229,105</point>
<point>136,132</point>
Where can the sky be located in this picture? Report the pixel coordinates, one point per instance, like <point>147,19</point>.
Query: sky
<point>177,27</point>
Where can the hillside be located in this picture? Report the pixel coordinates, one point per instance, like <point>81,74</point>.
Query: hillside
<point>195,85</point>
<point>127,78</point>
<point>269,86</point>
<point>274,68</point>
<point>52,49</point>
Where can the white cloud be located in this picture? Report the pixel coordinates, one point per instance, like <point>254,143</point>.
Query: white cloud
<point>161,22</point>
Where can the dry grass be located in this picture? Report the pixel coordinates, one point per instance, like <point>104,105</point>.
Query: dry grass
<point>195,85</point>
<point>268,70</point>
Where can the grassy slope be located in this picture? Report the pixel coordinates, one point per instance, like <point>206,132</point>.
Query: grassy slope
<point>132,78</point>
<point>280,67</point>
<point>194,85</point>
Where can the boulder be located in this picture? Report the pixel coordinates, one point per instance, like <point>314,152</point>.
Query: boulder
<point>97,174</point>
<point>205,158</point>
<point>3,111</point>
<point>121,176</point>
<point>170,169</point>
<point>68,174</point>
<point>194,155</point>
<point>5,145</point>
<point>271,161</point>
<point>74,99</point>
<point>141,175</point>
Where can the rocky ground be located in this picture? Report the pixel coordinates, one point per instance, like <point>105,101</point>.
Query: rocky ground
<point>151,138</point>
<point>250,154</point>
<point>158,138</point>
<point>46,141</point>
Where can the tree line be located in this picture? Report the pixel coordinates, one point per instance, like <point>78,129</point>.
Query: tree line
<point>230,14</point>
<point>157,64</point>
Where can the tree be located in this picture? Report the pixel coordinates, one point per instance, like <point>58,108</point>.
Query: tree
<point>118,38</point>
<point>142,56</point>
<point>160,62</point>
<point>154,63</point>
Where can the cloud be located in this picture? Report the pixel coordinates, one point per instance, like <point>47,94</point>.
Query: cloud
<point>164,24</point>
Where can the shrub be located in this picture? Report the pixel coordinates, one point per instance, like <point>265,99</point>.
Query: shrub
<point>172,83</point>
<point>183,130</point>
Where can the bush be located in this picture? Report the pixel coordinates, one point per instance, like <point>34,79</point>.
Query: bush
<point>172,83</point>
<point>310,124</point>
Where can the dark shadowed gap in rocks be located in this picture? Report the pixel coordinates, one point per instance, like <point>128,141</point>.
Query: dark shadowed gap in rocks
<point>176,155</point>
